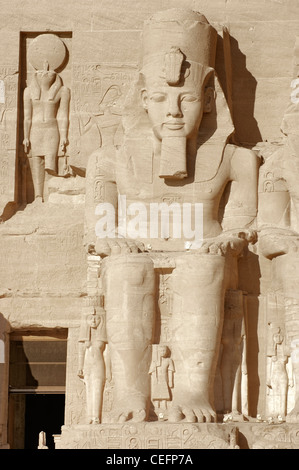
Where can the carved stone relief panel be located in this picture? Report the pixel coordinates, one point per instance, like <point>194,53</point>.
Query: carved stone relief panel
<point>98,94</point>
<point>9,79</point>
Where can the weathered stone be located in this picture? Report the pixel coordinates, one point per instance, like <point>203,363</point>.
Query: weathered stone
<point>179,335</point>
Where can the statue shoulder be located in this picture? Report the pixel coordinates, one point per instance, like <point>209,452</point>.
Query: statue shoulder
<point>243,161</point>
<point>64,92</point>
<point>27,93</point>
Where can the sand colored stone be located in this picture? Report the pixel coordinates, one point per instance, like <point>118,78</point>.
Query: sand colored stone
<point>149,206</point>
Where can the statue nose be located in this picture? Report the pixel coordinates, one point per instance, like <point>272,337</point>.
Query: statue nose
<point>174,109</point>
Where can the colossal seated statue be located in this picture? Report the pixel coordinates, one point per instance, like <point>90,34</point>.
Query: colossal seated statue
<point>175,157</point>
<point>278,212</point>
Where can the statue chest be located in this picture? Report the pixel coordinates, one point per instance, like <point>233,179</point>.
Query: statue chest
<point>139,180</point>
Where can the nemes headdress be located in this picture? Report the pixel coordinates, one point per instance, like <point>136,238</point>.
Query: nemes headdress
<point>178,44</point>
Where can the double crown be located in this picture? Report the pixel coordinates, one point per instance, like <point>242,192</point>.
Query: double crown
<point>178,44</point>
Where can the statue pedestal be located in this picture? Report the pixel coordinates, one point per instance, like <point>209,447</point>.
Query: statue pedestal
<point>147,435</point>
<point>162,435</point>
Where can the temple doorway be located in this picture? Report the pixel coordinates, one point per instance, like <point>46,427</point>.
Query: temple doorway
<point>36,387</point>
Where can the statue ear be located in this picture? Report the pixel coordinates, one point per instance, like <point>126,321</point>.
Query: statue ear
<point>144,98</point>
<point>209,99</point>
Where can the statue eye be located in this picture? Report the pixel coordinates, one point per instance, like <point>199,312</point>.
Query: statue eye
<point>158,97</point>
<point>189,98</point>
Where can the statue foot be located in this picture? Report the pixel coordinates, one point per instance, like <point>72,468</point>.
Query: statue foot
<point>136,416</point>
<point>95,421</point>
<point>38,200</point>
<point>198,411</point>
<point>234,417</point>
<point>293,416</point>
<point>127,409</point>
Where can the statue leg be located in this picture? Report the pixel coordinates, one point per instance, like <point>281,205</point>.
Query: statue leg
<point>95,378</point>
<point>286,270</point>
<point>38,176</point>
<point>51,164</point>
<point>232,342</point>
<point>129,284</point>
<point>280,388</point>
<point>198,306</point>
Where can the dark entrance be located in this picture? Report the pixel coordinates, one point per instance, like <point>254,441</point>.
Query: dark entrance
<point>43,413</point>
<point>37,376</point>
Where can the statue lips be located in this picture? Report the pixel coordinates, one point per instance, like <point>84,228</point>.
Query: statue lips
<point>174,125</point>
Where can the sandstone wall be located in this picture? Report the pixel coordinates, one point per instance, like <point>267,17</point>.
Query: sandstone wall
<point>43,264</point>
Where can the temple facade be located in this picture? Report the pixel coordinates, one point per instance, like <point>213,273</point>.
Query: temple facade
<point>149,224</point>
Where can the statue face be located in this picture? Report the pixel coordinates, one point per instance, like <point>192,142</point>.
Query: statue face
<point>173,111</point>
<point>163,351</point>
<point>93,320</point>
<point>46,77</point>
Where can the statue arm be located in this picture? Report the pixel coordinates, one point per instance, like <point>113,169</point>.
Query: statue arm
<point>64,116</point>
<point>27,118</point>
<point>170,378</point>
<point>81,357</point>
<point>241,209</point>
<point>100,189</point>
<point>170,373</point>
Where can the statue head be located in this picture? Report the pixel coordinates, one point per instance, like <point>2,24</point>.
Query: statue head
<point>46,77</point>
<point>178,60</point>
<point>46,54</point>
<point>93,319</point>
<point>163,351</point>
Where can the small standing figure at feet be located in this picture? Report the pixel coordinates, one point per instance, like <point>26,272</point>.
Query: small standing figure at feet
<point>161,370</point>
<point>92,368</point>
<point>46,109</point>
<point>278,380</point>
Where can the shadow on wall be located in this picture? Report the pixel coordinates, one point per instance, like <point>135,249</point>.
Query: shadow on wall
<point>4,329</point>
<point>239,87</point>
<point>243,99</point>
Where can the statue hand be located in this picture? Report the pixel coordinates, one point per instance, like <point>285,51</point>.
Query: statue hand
<point>63,144</point>
<point>26,144</point>
<point>277,242</point>
<point>116,246</point>
<point>249,235</point>
<point>90,248</point>
<point>291,383</point>
<point>229,241</point>
<point>221,246</point>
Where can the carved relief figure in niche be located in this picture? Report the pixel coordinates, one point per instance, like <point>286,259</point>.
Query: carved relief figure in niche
<point>46,109</point>
<point>233,356</point>
<point>92,368</point>
<point>278,221</point>
<point>162,371</point>
<point>176,106</point>
<point>277,374</point>
<point>104,123</point>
